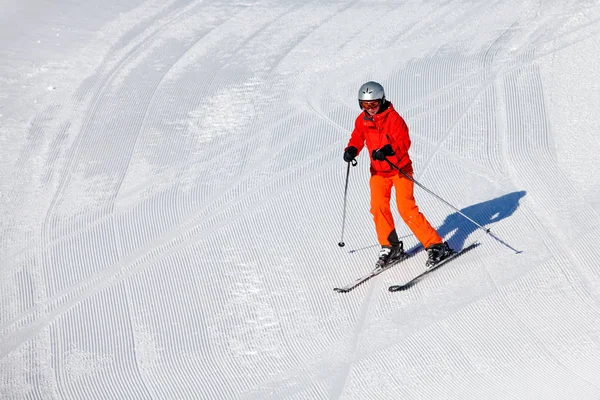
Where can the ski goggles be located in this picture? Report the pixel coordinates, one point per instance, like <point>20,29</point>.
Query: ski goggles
<point>369,104</point>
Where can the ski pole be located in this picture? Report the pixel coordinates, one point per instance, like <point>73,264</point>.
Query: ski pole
<point>436,196</point>
<point>486,230</point>
<point>353,162</point>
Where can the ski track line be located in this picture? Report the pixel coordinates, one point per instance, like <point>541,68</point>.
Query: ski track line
<point>309,31</point>
<point>520,145</point>
<point>481,89</point>
<point>516,151</point>
<point>113,197</point>
<point>61,302</point>
<point>393,40</point>
<point>73,152</point>
<point>482,359</point>
<point>486,163</point>
<point>143,378</point>
<point>510,350</point>
<point>103,104</point>
<point>99,220</point>
<point>455,374</point>
<point>432,94</point>
<point>154,94</point>
<point>122,62</point>
<point>94,317</point>
<point>281,145</point>
<point>344,372</point>
<point>191,222</point>
<point>14,198</point>
<point>494,74</point>
<point>442,91</point>
<point>576,279</point>
<point>354,360</point>
<point>70,150</point>
<point>534,336</point>
<point>40,126</point>
<point>475,98</point>
<point>485,70</point>
<point>74,290</point>
<point>176,171</point>
<point>432,18</point>
<point>324,371</point>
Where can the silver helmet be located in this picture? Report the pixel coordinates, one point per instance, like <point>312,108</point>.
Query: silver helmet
<point>371,91</point>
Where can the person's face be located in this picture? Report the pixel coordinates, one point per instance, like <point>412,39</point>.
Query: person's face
<point>371,106</point>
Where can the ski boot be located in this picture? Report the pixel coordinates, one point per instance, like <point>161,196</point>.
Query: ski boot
<point>388,254</point>
<point>436,253</point>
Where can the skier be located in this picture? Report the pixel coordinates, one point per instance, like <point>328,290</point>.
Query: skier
<point>386,137</point>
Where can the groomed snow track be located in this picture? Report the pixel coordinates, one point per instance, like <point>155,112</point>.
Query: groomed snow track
<point>171,200</point>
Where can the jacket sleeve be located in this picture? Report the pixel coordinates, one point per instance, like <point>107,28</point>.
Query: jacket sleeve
<point>357,138</point>
<point>399,137</point>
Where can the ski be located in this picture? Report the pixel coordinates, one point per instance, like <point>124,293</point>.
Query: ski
<point>376,271</point>
<point>413,281</point>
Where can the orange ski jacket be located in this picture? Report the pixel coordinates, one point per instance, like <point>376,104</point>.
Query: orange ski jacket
<point>386,127</point>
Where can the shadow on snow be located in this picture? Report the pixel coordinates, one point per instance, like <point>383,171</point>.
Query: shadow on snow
<point>456,229</point>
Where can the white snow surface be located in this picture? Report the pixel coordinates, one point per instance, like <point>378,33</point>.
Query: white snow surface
<point>172,185</point>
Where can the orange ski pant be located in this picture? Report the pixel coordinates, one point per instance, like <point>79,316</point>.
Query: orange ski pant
<point>381,190</point>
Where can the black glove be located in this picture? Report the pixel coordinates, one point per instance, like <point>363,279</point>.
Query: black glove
<point>350,153</point>
<point>382,153</point>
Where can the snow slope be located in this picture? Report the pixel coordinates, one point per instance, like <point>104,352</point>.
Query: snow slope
<point>171,191</point>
